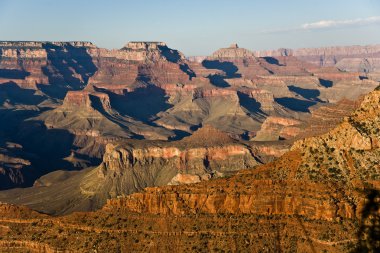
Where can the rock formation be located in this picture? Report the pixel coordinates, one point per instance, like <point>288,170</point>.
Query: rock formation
<point>276,128</point>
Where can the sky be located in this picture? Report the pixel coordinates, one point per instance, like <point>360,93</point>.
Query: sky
<point>195,27</point>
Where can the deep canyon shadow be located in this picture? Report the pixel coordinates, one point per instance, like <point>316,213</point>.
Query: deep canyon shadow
<point>66,63</point>
<point>326,83</point>
<point>13,73</point>
<point>249,103</point>
<point>311,94</point>
<point>15,95</point>
<point>145,110</point>
<point>294,104</point>
<point>174,56</point>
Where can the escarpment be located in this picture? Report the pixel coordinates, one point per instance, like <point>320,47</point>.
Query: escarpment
<point>128,168</point>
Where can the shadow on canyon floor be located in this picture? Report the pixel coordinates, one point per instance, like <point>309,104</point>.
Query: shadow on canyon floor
<point>250,104</point>
<point>310,94</point>
<point>272,60</point>
<point>294,104</point>
<point>145,110</point>
<point>13,73</point>
<point>229,68</point>
<point>13,94</point>
<point>326,83</point>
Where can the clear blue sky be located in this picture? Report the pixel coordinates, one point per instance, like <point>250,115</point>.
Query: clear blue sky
<point>195,27</point>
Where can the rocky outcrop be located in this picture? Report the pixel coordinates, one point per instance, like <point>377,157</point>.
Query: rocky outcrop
<point>326,117</point>
<point>359,131</point>
<point>277,128</point>
<point>235,61</point>
<point>172,89</point>
<point>126,170</point>
<point>89,113</point>
<point>15,167</point>
<point>83,98</point>
<point>156,201</point>
<point>232,52</point>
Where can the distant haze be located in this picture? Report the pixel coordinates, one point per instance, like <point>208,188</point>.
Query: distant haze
<point>196,27</point>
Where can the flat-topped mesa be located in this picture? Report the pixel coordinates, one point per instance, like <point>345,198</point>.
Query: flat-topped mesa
<point>142,50</point>
<point>40,44</point>
<point>76,99</point>
<point>85,99</point>
<point>216,92</point>
<point>144,45</point>
<point>234,45</point>
<point>36,49</point>
<point>232,52</point>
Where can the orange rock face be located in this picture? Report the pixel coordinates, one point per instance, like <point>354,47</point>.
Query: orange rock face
<point>156,201</point>
<point>83,98</point>
<point>275,128</point>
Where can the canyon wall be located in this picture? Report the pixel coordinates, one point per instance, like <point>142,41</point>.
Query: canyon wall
<point>348,58</point>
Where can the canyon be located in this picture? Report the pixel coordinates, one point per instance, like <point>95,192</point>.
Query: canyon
<point>322,195</point>
<point>142,148</point>
<point>86,97</point>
